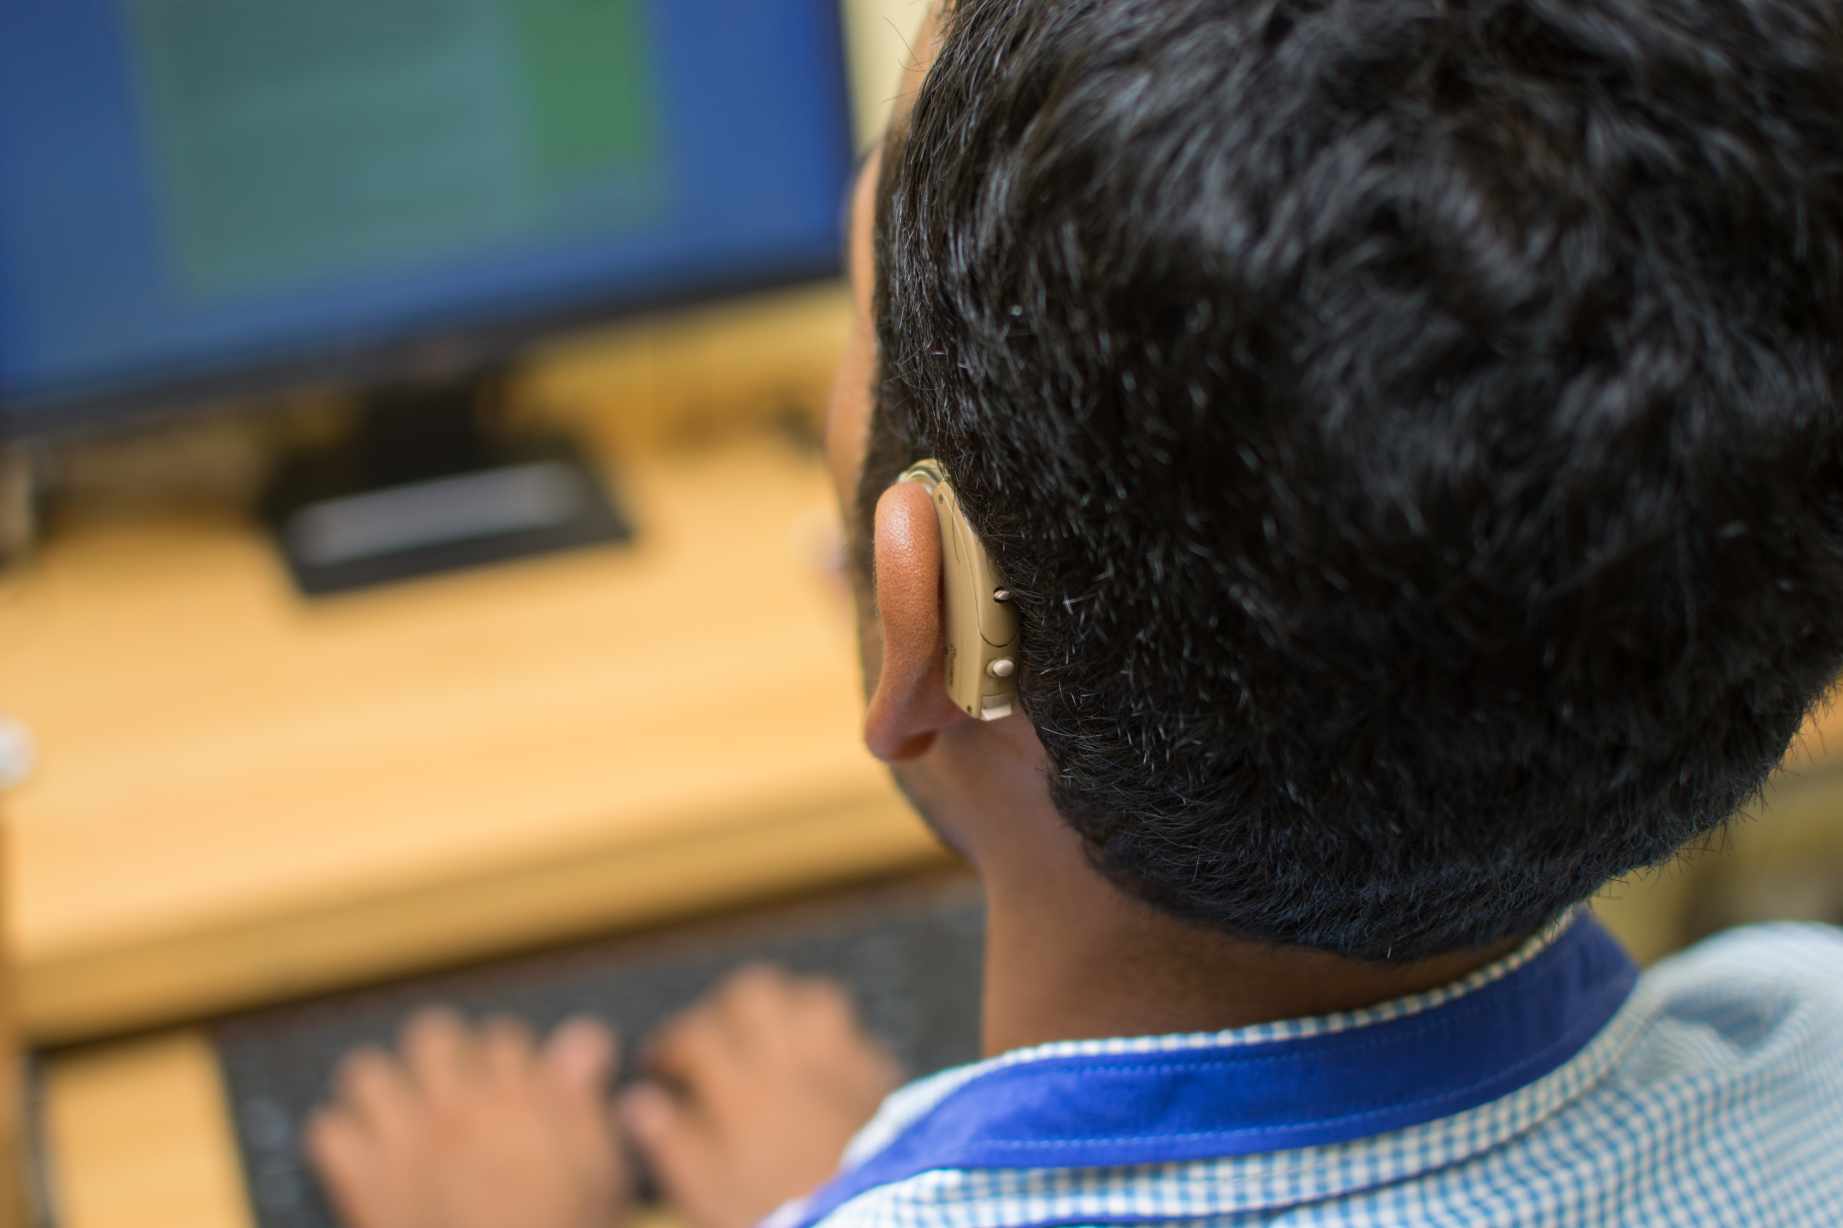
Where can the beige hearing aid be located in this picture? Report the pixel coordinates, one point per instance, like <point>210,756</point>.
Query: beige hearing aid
<point>981,624</point>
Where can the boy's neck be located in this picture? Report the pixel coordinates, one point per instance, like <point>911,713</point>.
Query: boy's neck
<point>1070,957</point>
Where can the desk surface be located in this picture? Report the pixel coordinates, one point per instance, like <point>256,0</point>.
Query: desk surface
<point>244,796</point>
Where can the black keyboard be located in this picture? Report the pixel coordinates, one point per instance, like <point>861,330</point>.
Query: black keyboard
<point>911,957</point>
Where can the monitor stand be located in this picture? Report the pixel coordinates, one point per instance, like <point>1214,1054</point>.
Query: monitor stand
<point>428,482</point>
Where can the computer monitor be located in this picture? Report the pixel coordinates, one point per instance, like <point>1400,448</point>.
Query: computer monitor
<point>201,198</point>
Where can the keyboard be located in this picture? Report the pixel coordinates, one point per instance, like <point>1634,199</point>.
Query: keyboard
<point>910,955</point>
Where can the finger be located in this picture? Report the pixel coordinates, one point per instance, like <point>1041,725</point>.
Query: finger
<point>332,1138</point>
<point>754,982</point>
<point>374,1090</point>
<point>582,1054</point>
<point>508,1050</point>
<point>578,1062</point>
<point>694,1051</point>
<point>828,1022</point>
<point>440,1052</point>
<point>344,1157</point>
<point>757,1005</point>
<point>833,1046</point>
<point>681,1150</point>
<point>825,1004</point>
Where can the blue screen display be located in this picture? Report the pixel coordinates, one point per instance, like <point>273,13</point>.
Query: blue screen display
<point>193,190</point>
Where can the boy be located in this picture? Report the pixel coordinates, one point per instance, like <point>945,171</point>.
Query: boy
<point>1408,431</point>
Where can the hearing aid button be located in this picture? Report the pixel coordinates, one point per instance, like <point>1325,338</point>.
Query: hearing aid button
<point>1004,667</point>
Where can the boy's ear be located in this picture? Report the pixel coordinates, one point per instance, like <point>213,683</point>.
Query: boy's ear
<point>909,705</point>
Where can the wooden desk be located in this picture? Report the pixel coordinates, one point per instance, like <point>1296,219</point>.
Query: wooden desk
<point>243,796</point>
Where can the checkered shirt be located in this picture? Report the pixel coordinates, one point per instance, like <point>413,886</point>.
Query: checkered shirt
<point>1713,1097</point>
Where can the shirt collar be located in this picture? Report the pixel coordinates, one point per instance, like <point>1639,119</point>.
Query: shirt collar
<point>915,1100</point>
<point>1271,1088</point>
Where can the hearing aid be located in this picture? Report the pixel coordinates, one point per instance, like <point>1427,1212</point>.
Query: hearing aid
<point>980,621</point>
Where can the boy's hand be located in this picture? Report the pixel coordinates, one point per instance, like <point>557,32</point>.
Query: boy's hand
<point>753,1094</point>
<point>475,1128</point>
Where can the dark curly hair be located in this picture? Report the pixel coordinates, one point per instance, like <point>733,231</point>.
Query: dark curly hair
<point>1410,429</point>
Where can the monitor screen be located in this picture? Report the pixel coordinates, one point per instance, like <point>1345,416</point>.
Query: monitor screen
<point>204,194</point>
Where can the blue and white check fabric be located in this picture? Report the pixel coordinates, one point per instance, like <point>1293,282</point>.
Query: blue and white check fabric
<point>1554,1087</point>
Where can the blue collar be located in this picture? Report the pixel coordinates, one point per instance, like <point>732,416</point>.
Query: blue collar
<point>1216,1100</point>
